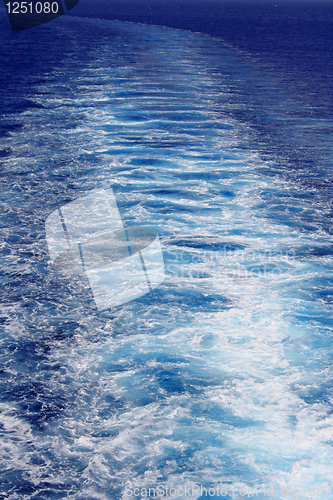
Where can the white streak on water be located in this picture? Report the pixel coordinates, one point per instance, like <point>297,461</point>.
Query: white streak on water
<point>207,380</point>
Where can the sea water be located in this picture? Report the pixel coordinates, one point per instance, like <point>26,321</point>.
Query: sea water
<point>219,382</point>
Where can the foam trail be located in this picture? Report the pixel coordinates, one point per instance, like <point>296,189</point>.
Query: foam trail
<point>220,376</point>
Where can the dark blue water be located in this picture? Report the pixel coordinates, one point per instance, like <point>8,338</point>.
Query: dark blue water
<point>214,125</point>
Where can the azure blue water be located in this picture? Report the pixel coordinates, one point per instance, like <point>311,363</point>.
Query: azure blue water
<point>218,383</point>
